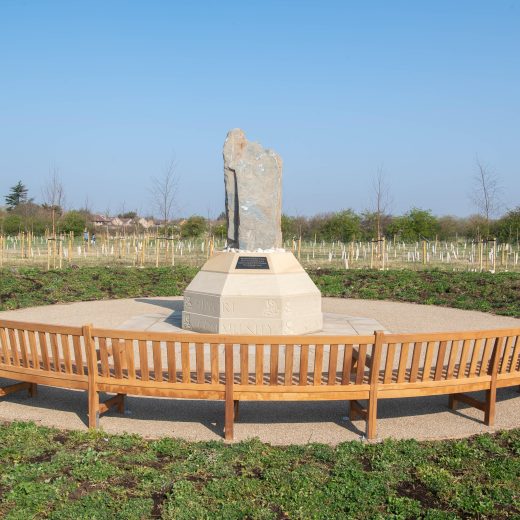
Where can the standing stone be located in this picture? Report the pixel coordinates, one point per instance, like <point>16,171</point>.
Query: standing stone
<point>253,181</point>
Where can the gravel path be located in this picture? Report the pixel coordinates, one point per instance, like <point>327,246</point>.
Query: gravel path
<point>277,423</point>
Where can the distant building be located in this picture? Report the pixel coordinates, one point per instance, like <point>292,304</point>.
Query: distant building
<point>100,220</point>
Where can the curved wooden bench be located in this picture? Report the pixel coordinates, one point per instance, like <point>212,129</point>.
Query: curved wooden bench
<point>250,368</point>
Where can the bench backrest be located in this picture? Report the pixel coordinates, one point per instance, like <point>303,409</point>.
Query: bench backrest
<point>209,359</point>
<point>52,350</point>
<point>419,358</point>
<point>156,358</point>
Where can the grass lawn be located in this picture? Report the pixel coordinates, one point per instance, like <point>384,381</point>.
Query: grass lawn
<point>497,293</point>
<point>46,473</point>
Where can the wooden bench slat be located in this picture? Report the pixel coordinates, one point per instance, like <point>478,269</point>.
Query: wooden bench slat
<point>333,365</point>
<point>55,353</point>
<point>103,354</point>
<point>42,339</point>
<point>389,363</point>
<point>143,360</point>
<point>118,358</point>
<point>244,364</point>
<point>403,362</point>
<point>488,347</point>
<point>475,357</point>
<point>416,357</point>
<point>78,354</point>
<point>185,362</point>
<point>428,360</point>
<point>259,364</point>
<point>6,358</point>
<point>130,359</point>
<point>439,364</point>
<point>304,364</point>
<point>14,348</point>
<point>515,357</point>
<point>170,359</point>
<point>361,360</point>
<point>23,348</point>
<point>347,364</point>
<point>199,362</point>
<point>508,351</point>
<point>274,354</point>
<point>454,352</point>
<point>318,364</point>
<point>466,345</point>
<point>289,360</point>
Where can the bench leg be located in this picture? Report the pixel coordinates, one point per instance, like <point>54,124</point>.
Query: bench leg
<point>93,410</point>
<point>236,404</point>
<point>16,387</point>
<point>229,419</point>
<point>117,400</point>
<point>489,412</point>
<point>33,390</point>
<point>452,402</point>
<point>357,411</point>
<point>372,418</point>
<point>487,406</point>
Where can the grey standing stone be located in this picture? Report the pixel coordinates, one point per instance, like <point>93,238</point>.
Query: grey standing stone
<point>253,181</point>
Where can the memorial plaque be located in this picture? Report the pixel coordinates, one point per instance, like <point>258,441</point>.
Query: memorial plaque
<point>252,262</point>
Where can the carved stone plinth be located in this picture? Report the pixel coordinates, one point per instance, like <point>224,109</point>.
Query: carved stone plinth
<point>252,294</point>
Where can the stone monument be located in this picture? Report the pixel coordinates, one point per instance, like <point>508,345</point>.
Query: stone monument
<point>254,287</point>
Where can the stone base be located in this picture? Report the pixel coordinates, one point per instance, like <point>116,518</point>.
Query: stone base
<point>266,293</point>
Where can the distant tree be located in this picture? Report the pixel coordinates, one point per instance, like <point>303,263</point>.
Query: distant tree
<point>17,195</point>
<point>289,227</point>
<point>451,227</point>
<point>194,227</point>
<point>164,191</point>
<point>295,227</point>
<point>220,229</point>
<point>128,214</point>
<point>507,228</point>
<point>343,225</point>
<point>415,225</point>
<point>73,221</point>
<point>486,194</point>
<point>12,224</point>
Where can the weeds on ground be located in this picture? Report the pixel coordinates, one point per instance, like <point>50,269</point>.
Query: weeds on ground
<point>497,293</point>
<point>47,473</point>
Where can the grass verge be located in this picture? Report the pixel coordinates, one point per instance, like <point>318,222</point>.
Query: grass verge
<point>496,293</point>
<point>46,473</point>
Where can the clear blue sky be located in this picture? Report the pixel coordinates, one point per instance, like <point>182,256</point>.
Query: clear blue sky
<point>107,91</point>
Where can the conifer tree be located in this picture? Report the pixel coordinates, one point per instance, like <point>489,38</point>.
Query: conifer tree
<point>17,195</point>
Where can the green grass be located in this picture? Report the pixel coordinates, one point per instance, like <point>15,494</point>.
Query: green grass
<point>497,293</point>
<point>28,287</point>
<point>46,473</point>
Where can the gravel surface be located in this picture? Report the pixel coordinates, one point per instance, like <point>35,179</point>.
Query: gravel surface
<point>274,422</point>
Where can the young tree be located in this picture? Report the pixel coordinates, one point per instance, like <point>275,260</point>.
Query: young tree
<point>164,191</point>
<point>53,196</point>
<point>486,194</point>
<point>381,200</point>
<point>17,195</point>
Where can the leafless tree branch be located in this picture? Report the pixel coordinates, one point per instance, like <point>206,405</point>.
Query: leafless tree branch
<point>164,191</point>
<point>53,195</point>
<point>486,193</point>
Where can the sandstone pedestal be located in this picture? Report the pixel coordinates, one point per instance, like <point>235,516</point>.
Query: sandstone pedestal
<point>252,294</point>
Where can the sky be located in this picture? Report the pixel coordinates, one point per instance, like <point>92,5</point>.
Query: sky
<point>108,92</point>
